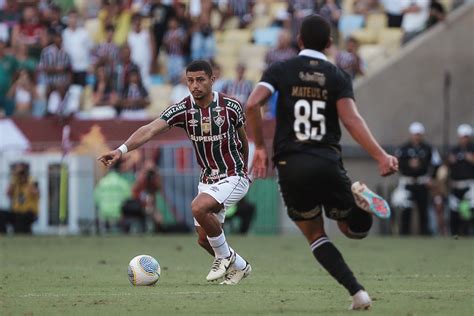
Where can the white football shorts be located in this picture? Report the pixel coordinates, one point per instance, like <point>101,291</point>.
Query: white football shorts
<point>227,192</point>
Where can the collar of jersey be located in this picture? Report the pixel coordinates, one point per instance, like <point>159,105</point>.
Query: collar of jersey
<point>194,103</point>
<point>313,54</point>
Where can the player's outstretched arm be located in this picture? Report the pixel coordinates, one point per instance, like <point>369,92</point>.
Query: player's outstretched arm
<point>358,129</point>
<point>138,138</point>
<point>257,98</point>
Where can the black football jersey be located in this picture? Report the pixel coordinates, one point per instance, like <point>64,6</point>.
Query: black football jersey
<point>306,117</point>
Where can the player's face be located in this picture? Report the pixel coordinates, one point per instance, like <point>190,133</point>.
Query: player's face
<point>199,84</point>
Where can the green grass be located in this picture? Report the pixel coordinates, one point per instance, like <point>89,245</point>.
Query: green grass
<point>88,276</point>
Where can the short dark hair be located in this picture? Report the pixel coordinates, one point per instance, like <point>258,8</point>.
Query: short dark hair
<point>315,32</point>
<point>200,65</point>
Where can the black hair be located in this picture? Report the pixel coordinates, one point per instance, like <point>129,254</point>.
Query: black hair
<point>315,32</point>
<point>200,65</point>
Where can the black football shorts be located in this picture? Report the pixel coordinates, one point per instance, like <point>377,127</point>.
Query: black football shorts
<point>310,184</point>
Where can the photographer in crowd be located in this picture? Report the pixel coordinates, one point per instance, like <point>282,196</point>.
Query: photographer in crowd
<point>24,197</point>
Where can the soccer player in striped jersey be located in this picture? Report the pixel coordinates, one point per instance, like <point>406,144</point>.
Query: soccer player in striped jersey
<point>215,125</point>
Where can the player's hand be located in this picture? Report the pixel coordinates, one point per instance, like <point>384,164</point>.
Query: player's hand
<point>110,158</point>
<point>388,165</point>
<point>259,163</point>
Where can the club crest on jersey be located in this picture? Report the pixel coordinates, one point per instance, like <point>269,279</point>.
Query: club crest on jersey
<point>219,120</point>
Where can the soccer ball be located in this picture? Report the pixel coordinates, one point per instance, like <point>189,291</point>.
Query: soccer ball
<point>144,270</point>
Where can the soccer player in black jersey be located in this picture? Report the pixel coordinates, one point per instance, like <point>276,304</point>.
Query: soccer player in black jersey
<point>313,95</point>
<point>215,125</point>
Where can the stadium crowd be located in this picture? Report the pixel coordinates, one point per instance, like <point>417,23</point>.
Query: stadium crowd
<point>100,59</point>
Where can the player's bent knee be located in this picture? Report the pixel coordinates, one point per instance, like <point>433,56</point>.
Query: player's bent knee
<point>358,224</point>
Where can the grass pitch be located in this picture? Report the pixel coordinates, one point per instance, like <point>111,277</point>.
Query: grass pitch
<point>88,276</point>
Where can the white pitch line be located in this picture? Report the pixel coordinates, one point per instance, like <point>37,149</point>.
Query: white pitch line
<point>34,295</point>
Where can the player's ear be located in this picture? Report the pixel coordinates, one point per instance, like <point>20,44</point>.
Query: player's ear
<point>329,43</point>
<point>299,41</point>
<point>213,78</point>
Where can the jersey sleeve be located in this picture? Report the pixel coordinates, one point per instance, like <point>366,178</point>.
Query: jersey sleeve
<point>271,77</point>
<point>237,116</point>
<point>175,115</point>
<point>343,85</point>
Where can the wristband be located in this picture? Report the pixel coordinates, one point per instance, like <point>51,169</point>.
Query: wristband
<point>123,149</point>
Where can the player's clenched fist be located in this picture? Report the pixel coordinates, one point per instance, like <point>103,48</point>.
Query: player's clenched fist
<point>110,158</point>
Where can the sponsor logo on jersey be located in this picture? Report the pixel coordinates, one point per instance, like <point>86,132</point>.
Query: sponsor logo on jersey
<point>218,109</point>
<point>192,111</point>
<point>192,123</point>
<point>219,120</point>
<point>318,77</point>
<point>213,138</point>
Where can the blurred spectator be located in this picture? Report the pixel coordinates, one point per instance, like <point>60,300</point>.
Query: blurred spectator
<point>107,53</point>
<point>24,61</point>
<point>24,197</point>
<point>8,67</point>
<point>174,41</point>
<point>109,195</point>
<point>440,193</point>
<point>55,63</point>
<point>437,13</point>
<point>349,60</point>
<point>240,88</point>
<point>141,46</point>
<point>122,68</point>
<point>242,9</point>
<point>282,51</point>
<point>23,92</point>
<point>203,42</point>
<point>365,7</point>
<point>179,91</point>
<point>30,32</point>
<point>53,22</point>
<point>103,94</point>
<point>145,189</point>
<point>142,7</point>
<point>415,16</point>
<point>64,100</point>
<point>10,15</point>
<point>394,12</point>
<point>331,10</point>
<point>185,23</point>
<point>134,98</point>
<point>418,163</point>
<point>461,199</point>
<point>77,44</point>
<point>115,13</point>
<point>160,15</point>
<point>219,82</point>
<point>299,9</point>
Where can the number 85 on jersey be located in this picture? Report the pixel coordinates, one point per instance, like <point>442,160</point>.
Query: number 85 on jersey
<point>308,115</point>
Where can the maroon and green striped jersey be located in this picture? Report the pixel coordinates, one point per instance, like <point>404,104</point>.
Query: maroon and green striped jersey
<point>213,133</point>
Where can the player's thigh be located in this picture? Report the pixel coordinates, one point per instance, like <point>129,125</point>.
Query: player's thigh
<point>303,181</point>
<point>339,201</point>
<point>220,196</point>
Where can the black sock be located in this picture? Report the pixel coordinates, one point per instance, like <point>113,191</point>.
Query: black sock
<point>331,259</point>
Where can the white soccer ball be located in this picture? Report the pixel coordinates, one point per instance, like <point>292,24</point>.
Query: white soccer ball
<point>144,270</point>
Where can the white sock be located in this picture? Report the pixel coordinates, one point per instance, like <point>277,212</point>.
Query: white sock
<point>239,262</point>
<point>220,246</point>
